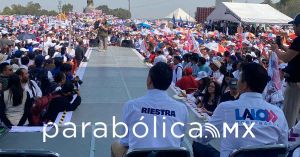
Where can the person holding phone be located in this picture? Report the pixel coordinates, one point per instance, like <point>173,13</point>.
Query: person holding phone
<point>103,34</point>
<point>291,55</point>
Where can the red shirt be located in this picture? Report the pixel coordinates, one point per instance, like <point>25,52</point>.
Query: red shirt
<point>187,83</point>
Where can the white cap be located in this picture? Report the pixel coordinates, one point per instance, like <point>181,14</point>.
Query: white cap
<point>217,63</point>
<point>34,49</point>
<point>17,41</point>
<point>35,42</point>
<point>47,57</point>
<point>4,32</point>
<point>201,75</point>
<point>229,43</point>
<point>24,50</point>
<point>252,54</point>
<point>29,41</point>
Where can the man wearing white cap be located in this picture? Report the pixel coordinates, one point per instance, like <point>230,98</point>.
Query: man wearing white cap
<point>57,51</point>
<point>216,75</point>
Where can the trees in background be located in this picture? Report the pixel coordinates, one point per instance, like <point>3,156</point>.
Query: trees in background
<point>30,9</point>
<point>288,7</point>
<point>66,8</point>
<point>118,12</point>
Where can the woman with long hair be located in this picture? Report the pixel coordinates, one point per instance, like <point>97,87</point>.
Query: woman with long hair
<point>15,103</point>
<point>211,98</point>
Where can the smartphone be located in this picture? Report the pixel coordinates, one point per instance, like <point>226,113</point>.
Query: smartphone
<point>278,41</point>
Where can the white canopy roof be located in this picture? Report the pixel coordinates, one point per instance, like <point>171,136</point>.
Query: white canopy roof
<point>179,13</point>
<point>248,13</point>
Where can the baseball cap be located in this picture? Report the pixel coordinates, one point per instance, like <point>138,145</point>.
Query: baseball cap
<point>233,83</point>
<point>217,63</point>
<point>296,21</point>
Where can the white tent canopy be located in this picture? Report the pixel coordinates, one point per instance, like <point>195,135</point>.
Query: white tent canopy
<point>179,13</point>
<point>248,13</point>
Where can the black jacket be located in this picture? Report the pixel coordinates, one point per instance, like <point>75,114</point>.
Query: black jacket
<point>61,104</point>
<point>79,53</point>
<point>26,115</point>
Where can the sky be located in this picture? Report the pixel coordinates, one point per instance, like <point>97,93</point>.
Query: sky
<point>139,8</point>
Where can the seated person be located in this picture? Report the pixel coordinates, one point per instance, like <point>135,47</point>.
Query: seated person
<point>233,92</point>
<point>203,81</point>
<point>187,82</point>
<point>59,81</point>
<point>211,98</point>
<point>252,82</point>
<point>63,102</point>
<point>15,103</point>
<point>6,71</point>
<point>167,111</point>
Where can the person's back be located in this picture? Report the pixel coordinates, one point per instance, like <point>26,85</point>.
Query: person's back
<point>40,76</point>
<point>79,52</point>
<point>270,124</point>
<point>154,103</point>
<point>156,110</point>
<point>62,101</point>
<point>187,82</point>
<point>251,120</point>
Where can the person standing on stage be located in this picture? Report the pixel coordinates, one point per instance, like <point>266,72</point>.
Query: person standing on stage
<point>103,34</point>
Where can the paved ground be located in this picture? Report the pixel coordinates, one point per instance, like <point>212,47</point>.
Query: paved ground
<point>110,79</point>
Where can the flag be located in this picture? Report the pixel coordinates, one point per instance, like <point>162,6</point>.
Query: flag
<point>181,22</point>
<point>187,21</point>
<point>174,20</point>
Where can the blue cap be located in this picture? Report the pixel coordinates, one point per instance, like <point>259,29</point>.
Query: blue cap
<point>296,21</point>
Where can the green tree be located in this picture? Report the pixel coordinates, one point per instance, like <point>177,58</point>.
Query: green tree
<point>7,11</point>
<point>66,8</point>
<point>268,2</point>
<point>121,13</point>
<point>30,9</point>
<point>288,7</point>
<point>104,9</point>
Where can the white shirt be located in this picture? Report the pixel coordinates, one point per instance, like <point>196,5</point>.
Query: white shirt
<point>14,113</point>
<point>177,73</point>
<point>24,67</point>
<point>218,76</point>
<point>35,91</point>
<point>273,131</point>
<point>160,58</point>
<point>155,102</point>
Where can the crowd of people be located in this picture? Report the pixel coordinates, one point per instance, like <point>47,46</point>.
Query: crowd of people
<point>231,77</point>
<point>39,59</point>
<point>226,73</point>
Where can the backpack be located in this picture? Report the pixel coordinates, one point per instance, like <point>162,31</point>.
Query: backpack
<point>39,109</point>
<point>40,76</point>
